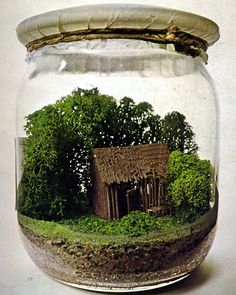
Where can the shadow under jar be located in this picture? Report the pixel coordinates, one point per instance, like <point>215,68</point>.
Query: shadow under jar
<point>116,146</point>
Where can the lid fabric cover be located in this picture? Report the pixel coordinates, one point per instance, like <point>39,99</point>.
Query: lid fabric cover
<point>115,16</point>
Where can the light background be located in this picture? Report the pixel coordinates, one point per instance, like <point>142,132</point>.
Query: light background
<point>18,274</point>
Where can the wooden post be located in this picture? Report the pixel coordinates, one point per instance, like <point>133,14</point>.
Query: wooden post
<point>128,204</point>
<point>157,196</point>
<point>148,193</point>
<point>108,201</point>
<point>113,202</point>
<point>141,193</point>
<point>155,192</point>
<point>156,188</point>
<point>159,193</point>
<point>145,194</point>
<point>116,203</point>
<point>152,193</point>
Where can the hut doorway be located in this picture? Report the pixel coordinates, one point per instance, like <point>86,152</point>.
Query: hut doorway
<point>124,198</point>
<point>144,195</point>
<point>133,199</point>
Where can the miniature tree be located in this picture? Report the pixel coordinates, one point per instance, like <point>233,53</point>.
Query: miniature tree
<point>189,185</point>
<point>177,133</point>
<point>49,186</point>
<point>56,177</point>
<point>136,123</point>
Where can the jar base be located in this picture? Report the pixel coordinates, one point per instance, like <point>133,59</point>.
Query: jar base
<point>124,289</point>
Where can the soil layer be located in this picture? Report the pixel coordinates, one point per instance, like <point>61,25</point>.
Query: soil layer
<point>121,266</point>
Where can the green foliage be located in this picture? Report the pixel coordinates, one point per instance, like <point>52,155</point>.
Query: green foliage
<point>189,185</point>
<point>49,229</point>
<point>133,224</point>
<point>166,223</point>
<point>85,112</point>
<point>90,224</point>
<point>56,180</point>
<point>134,124</point>
<point>136,223</point>
<point>179,162</point>
<point>70,232</point>
<point>177,133</point>
<point>49,188</point>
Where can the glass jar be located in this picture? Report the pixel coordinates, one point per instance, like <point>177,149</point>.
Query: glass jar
<point>117,145</point>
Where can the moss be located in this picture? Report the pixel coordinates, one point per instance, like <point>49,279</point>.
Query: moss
<point>47,229</point>
<point>134,224</point>
<point>54,231</point>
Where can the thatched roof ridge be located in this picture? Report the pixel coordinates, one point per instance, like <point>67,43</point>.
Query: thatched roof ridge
<point>131,163</point>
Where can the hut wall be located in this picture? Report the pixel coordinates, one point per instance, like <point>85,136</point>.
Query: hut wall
<point>99,197</point>
<point>112,196</point>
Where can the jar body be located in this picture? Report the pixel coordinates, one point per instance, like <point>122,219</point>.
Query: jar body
<point>117,163</point>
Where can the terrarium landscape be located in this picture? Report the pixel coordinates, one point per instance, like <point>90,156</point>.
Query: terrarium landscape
<point>111,190</point>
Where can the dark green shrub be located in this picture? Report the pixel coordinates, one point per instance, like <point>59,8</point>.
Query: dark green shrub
<point>177,133</point>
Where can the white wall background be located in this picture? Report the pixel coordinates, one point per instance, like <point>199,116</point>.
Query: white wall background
<point>18,275</point>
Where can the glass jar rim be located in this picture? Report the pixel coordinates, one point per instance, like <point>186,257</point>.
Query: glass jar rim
<point>126,19</point>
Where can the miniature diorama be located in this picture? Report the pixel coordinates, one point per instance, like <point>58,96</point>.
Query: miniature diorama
<point>116,145</point>
<point>107,183</point>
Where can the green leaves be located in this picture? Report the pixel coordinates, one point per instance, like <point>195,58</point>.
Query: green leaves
<point>179,162</point>
<point>56,179</point>
<point>134,224</point>
<point>189,185</point>
<point>177,133</point>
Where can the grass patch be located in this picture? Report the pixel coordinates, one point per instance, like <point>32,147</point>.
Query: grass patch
<point>132,225</point>
<point>133,229</point>
<point>48,229</point>
<point>96,231</point>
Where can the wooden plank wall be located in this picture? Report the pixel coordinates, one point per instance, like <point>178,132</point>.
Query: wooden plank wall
<point>151,192</point>
<point>112,201</point>
<point>99,196</point>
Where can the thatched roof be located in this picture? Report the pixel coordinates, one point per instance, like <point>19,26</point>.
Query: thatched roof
<point>132,163</point>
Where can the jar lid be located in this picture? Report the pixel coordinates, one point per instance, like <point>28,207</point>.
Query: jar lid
<point>152,23</point>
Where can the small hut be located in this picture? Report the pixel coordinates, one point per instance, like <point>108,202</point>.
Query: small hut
<point>128,178</point>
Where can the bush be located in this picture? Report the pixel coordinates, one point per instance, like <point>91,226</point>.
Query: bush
<point>189,185</point>
<point>135,223</point>
<point>179,162</point>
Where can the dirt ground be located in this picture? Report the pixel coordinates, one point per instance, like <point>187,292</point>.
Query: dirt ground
<point>109,266</point>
